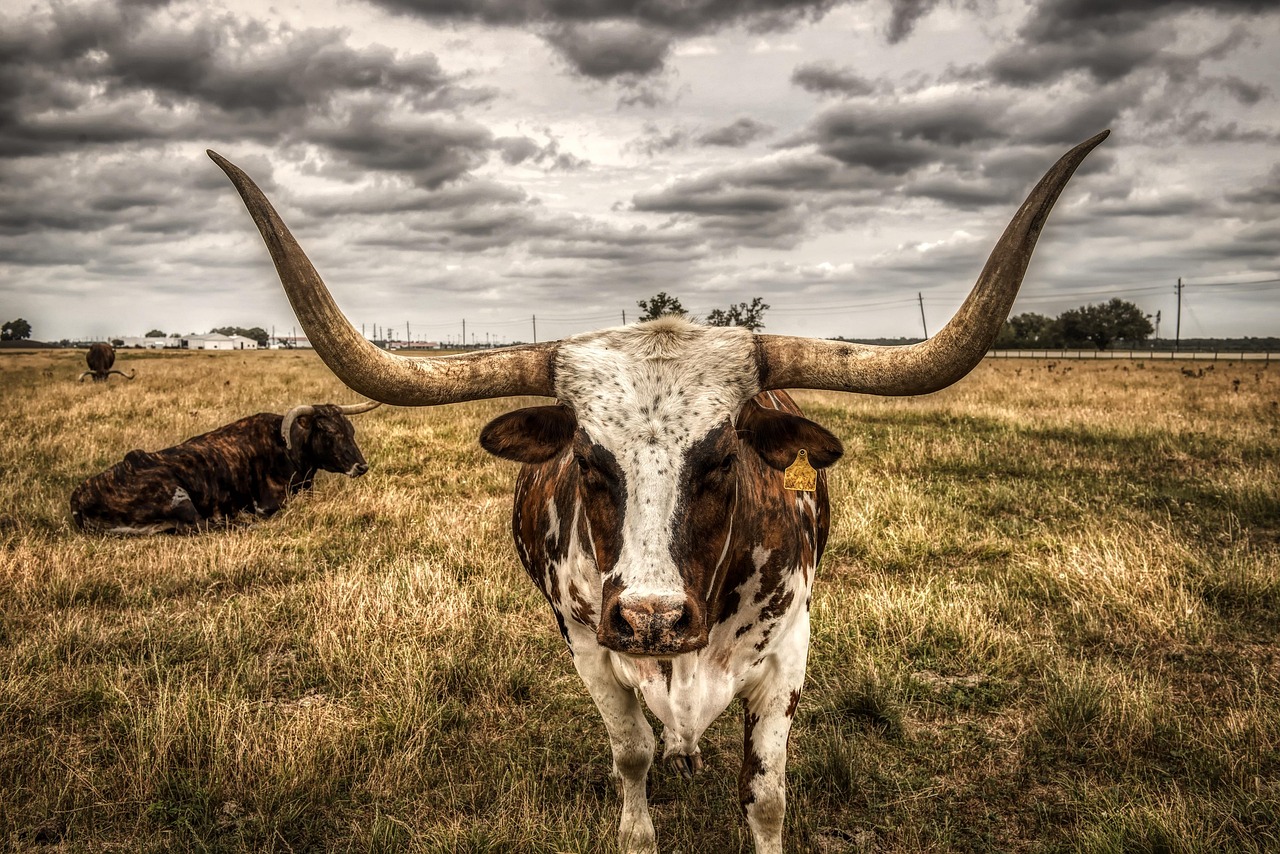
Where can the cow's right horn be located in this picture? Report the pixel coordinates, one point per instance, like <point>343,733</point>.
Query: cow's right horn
<point>286,425</point>
<point>791,362</point>
<point>366,368</point>
<point>358,408</point>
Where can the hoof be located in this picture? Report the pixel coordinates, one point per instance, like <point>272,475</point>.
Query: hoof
<point>686,766</point>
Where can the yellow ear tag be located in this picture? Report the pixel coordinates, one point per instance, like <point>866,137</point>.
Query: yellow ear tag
<point>800,476</point>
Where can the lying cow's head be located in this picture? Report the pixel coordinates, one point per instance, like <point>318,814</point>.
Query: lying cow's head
<point>654,426</point>
<point>654,416</point>
<point>320,436</point>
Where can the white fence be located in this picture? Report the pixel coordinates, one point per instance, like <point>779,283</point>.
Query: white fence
<point>1152,355</point>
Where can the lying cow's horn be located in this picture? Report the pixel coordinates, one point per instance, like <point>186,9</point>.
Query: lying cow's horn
<point>789,362</point>
<point>364,367</point>
<point>286,426</point>
<point>359,408</point>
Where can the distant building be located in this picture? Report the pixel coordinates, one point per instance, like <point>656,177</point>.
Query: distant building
<point>152,343</point>
<point>218,341</point>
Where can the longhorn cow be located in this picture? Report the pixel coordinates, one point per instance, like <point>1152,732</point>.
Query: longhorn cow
<point>252,465</point>
<point>101,357</point>
<point>651,510</point>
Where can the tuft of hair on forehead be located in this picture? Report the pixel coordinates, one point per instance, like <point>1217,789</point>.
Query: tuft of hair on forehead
<point>666,337</point>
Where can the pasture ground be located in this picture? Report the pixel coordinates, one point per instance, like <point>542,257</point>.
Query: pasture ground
<point>1047,622</point>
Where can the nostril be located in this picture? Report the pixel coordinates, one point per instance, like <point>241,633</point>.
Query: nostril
<point>621,625</point>
<point>683,622</point>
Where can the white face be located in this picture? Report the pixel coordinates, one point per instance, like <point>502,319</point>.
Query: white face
<point>646,399</point>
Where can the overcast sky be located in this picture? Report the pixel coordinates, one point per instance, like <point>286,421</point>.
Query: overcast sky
<point>496,159</point>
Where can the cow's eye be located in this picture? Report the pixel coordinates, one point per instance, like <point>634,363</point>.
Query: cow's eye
<point>583,466</point>
<point>727,463</point>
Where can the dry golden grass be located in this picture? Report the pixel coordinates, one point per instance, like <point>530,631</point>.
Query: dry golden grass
<point>1047,622</point>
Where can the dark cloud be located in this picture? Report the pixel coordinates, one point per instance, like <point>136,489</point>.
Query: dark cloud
<point>827,78</point>
<point>769,202</point>
<point>1109,41</point>
<point>687,17</point>
<point>98,75</point>
<point>739,133</point>
<point>609,39</point>
<point>426,150</point>
<point>897,136</point>
<point>611,49</point>
<point>521,149</point>
<point>904,15</point>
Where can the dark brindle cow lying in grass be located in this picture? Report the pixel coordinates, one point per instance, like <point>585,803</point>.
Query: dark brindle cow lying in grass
<point>653,510</point>
<point>253,465</point>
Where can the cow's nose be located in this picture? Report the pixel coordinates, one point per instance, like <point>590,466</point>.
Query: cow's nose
<point>651,617</point>
<point>653,625</point>
<point>358,469</point>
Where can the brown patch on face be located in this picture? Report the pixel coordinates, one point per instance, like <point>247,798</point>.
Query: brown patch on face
<point>602,489</point>
<point>708,483</point>
<point>768,518</point>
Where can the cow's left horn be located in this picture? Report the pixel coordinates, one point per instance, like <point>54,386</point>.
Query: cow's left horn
<point>366,368</point>
<point>128,376</point>
<point>790,362</point>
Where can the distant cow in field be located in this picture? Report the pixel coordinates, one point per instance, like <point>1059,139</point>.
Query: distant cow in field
<point>252,465</point>
<point>101,357</point>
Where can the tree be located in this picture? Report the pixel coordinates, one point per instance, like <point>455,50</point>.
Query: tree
<point>15,330</point>
<point>659,305</point>
<point>154,333</point>
<point>1100,325</point>
<point>750,315</point>
<point>1120,320</point>
<point>1028,330</point>
<point>257,333</point>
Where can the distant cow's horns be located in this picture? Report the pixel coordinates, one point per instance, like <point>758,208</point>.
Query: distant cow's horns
<point>934,364</point>
<point>359,408</point>
<point>367,369</point>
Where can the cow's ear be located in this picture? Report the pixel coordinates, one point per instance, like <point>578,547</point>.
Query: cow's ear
<point>778,436</point>
<point>531,435</point>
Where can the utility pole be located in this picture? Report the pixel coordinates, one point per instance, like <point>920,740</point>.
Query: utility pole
<point>1157,325</point>
<point>1177,328</point>
<point>624,317</point>
<point>406,333</point>
<point>464,333</point>
<point>535,329</point>
<point>920,297</point>
<point>362,335</point>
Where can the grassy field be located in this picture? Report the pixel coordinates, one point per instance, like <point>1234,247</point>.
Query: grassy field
<point>1047,621</point>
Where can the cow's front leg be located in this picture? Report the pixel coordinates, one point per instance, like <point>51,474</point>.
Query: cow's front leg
<point>767,712</point>
<point>631,739</point>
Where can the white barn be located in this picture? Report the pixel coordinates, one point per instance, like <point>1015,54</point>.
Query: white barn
<point>218,341</point>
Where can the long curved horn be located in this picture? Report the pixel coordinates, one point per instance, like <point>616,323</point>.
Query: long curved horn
<point>367,369</point>
<point>128,376</point>
<point>358,408</point>
<point>792,362</point>
<point>286,426</point>
<point>85,374</point>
